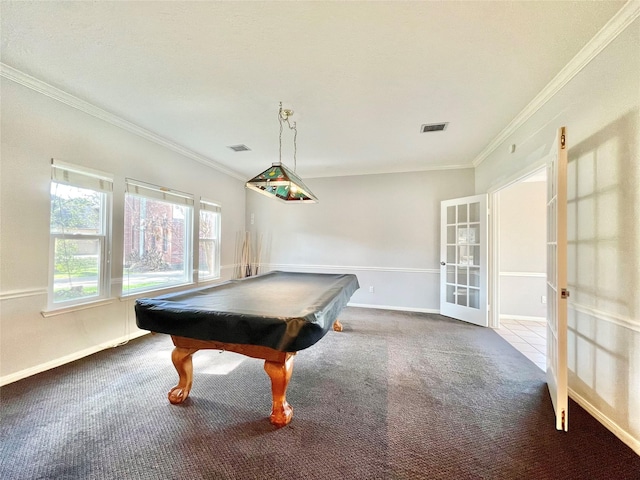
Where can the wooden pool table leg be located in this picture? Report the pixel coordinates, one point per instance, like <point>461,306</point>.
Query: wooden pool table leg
<point>280,373</point>
<point>182,360</point>
<point>337,326</point>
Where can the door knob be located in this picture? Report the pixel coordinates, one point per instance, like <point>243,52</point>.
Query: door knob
<point>442,263</point>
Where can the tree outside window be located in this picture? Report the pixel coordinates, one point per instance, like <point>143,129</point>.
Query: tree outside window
<point>79,229</point>
<point>157,248</point>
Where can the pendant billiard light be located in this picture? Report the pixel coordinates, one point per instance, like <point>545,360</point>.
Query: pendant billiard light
<point>278,181</point>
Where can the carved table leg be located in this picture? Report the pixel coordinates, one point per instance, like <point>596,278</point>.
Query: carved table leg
<point>337,326</point>
<point>181,358</point>
<point>280,373</point>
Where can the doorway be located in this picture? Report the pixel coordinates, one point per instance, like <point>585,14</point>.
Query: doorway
<point>519,264</point>
<point>463,250</point>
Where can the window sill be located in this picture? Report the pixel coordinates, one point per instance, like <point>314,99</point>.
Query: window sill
<point>75,308</point>
<point>155,293</point>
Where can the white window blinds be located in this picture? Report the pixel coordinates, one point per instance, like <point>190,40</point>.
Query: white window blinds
<point>136,187</point>
<point>80,176</point>
<point>209,206</point>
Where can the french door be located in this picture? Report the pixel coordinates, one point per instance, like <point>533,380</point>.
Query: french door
<point>463,259</point>
<point>557,293</point>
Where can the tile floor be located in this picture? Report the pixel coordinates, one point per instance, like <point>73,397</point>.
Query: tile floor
<point>529,337</point>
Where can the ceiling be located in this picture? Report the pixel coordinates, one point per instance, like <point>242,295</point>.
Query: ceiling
<point>361,77</point>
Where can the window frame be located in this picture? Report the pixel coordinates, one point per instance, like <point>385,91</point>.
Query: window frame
<point>175,198</point>
<point>102,183</point>
<point>213,208</point>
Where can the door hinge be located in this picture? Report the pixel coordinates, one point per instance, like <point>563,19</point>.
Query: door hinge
<point>563,140</point>
<point>564,420</point>
<point>564,293</point>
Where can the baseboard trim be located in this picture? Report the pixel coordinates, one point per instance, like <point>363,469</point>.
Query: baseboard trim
<point>28,372</point>
<point>613,427</point>
<point>391,307</point>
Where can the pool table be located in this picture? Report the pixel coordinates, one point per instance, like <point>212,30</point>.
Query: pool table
<point>270,316</point>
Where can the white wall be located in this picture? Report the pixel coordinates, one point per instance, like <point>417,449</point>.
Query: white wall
<point>600,107</point>
<point>36,128</point>
<point>523,227</point>
<point>383,228</point>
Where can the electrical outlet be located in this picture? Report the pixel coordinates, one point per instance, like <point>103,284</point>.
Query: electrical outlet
<point>371,289</point>
<point>543,299</point>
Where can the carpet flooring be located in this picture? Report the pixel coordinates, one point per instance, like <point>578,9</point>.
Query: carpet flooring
<point>396,395</point>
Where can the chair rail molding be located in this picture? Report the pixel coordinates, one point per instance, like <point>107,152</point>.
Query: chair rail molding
<point>617,319</point>
<point>276,266</point>
<point>13,294</point>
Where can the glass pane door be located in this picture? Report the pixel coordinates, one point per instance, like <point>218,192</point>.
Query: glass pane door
<point>463,280</point>
<point>557,294</point>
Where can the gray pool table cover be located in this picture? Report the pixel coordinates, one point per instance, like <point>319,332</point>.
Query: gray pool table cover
<point>285,311</point>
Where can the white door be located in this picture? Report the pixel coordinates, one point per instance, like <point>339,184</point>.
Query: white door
<point>463,259</point>
<point>557,292</point>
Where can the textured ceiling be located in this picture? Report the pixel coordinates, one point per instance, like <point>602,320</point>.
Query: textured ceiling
<point>362,77</point>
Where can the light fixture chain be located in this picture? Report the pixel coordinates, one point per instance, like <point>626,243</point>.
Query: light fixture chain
<point>287,186</point>
<point>280,138</point>
<point>283,116</point>
<point>295,146</point>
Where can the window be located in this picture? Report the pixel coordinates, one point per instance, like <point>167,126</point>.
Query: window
<point>157,238</point>
<point>80,229</point>
<point>209,240</point>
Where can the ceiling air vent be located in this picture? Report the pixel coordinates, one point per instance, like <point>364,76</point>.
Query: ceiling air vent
<point>433,127</point>
<point>239,148</point>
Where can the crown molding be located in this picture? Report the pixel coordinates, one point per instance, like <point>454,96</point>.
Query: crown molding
<point>418,170</point>
<point>621,20</point>
<point>55,93</point>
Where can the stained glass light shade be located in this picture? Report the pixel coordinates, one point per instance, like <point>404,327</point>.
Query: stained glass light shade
<point>279,182</point>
